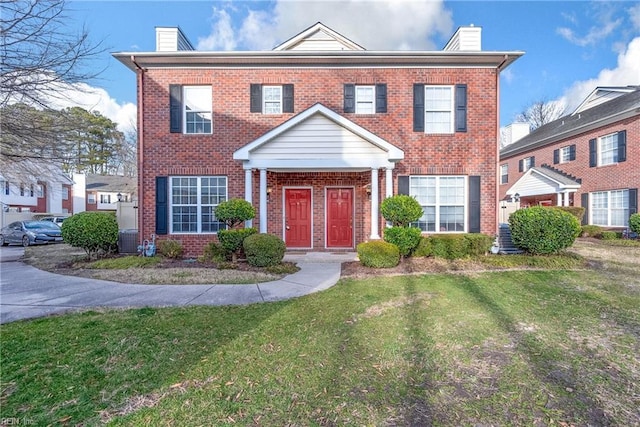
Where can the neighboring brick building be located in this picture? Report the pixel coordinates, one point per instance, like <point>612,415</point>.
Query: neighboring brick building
<point>316,133</point>
<point>590,158</point>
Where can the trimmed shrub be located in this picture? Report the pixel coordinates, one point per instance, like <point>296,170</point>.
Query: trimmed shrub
<point>231,240</point>
<point>264,250</point>
<point>634,222</point>
<point>478,243</point>
<point>577,211</point>
<point>405,238</point>
<point>540,230</point>
<point>609,235</point>
<point>401,210</point>
<point>170,249</point>
<point>378,254</point>
<point>450,246</point>
<point>233,212</point>
<point>591,231</point>
<point>425,248</point>
<point>95,232</point>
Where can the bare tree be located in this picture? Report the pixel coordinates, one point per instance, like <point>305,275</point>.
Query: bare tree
<point>40,59</point>
<point>541,112</point>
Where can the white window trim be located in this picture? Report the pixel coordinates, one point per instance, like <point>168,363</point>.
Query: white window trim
<point>465,205</point>
<point>184,109</point>
<point>526,163</point>
<point>609,208</point>
<point>565,154</point>
<point>451,109</point>
<point>264,99</point>
<point>373,99</point>
<point>600,141</point>
<point>198,204</point>
<point>504,168</point>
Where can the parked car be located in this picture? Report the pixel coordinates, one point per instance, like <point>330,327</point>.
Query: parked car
<point>55,219</point>
<point>28,233</point>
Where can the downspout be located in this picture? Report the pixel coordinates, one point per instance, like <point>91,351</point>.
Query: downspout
<point>140,151</point>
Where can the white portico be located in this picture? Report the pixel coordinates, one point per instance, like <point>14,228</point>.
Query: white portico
<point>319,140</point>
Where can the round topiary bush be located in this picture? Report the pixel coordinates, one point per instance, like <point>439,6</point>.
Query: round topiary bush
<point>378,254</point>
<point>231,240</point>
<point>634,222</point>
<point>405,238</point>
<point>263,250</point>
<point>95,232</point>
<point>234,211</point>
<point>401,210</point>
<point>540,230</point>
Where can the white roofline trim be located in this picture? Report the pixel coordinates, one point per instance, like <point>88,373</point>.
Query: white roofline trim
<point>561,186</point>
<point>394,154</point>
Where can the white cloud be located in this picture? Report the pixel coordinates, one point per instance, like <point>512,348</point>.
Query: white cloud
<point>381,25</point>
<point>605,25</point>
<point>627,72</point>
<point>96,99</point>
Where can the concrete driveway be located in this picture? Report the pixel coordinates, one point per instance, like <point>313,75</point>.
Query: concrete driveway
<point>26,292</point>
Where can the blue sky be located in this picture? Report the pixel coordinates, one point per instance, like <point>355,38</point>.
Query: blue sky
<point>570,47</point>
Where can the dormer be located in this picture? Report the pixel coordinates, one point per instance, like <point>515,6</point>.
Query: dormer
<point>171,39</point>
<point>319,38</point>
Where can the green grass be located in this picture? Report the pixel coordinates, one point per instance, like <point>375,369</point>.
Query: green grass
<point>122,263</point>
<point>503,348</point>
<point>562,261</point>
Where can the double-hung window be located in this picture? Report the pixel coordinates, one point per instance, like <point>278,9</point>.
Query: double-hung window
<point>272,99</point>
<point>443,200</point>
<point>193,202</point>
<point>504,174</point>
<point>526,163</point>
<point>365,99</point>
<point>190,109</point>
<point>439,109</point>
<point>608,149</point>
<point>565,154</point>
<point>610,208</point>
<point>105,198</point>
<point>197,109</point>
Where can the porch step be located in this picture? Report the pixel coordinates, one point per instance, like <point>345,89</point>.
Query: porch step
<point>505,243</point>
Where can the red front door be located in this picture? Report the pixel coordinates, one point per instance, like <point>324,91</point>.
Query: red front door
<point>340,217</point>
<point>297,221</point>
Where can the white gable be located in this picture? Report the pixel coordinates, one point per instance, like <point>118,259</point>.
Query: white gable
<point>319,38</point>
<point>319,139</point>
<point>534,183</point>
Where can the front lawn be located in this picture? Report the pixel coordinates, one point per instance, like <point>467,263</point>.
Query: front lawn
<point>484,348</point>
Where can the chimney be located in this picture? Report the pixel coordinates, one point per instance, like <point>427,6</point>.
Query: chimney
<point>171,39</point>
<point>467,39</point>
<point>515,132</point>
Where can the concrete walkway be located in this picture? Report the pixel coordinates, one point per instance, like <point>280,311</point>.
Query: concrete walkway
<point>26,292</point>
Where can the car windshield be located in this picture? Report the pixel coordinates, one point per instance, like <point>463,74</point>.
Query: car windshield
<point>39,225</point>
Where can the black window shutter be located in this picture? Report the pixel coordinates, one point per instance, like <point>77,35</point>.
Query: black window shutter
<point>349,98</point>
<point>403,185</point>
<point>593,153</point>
<point>622,146</point>
<point>633,201</point>
<point>520,165</point>
<point>256,98</point>
<point>572,152</point>
<point>175,108</point>
<point>533,161</point>
<point>474,204</point>
<point>287,98</point>
<point>418,108</point>
<point>556,156</point>
<point>461,108</point>
<point>381,98</point>
<point>162,207</point>
<point>585,204</point>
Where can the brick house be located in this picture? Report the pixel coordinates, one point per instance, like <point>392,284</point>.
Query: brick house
<point>315,134</point>
<point>589,158</point>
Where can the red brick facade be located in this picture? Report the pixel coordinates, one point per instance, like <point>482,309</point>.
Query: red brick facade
<point>617,176</point>
<point>165,154</point>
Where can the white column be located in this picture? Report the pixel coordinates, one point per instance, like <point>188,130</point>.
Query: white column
<point>375,225</point>
<point>566,198</point>
<point>559,196</point>
<point>248,192</point>
<point>388,175</point>
<point>263,200</point>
